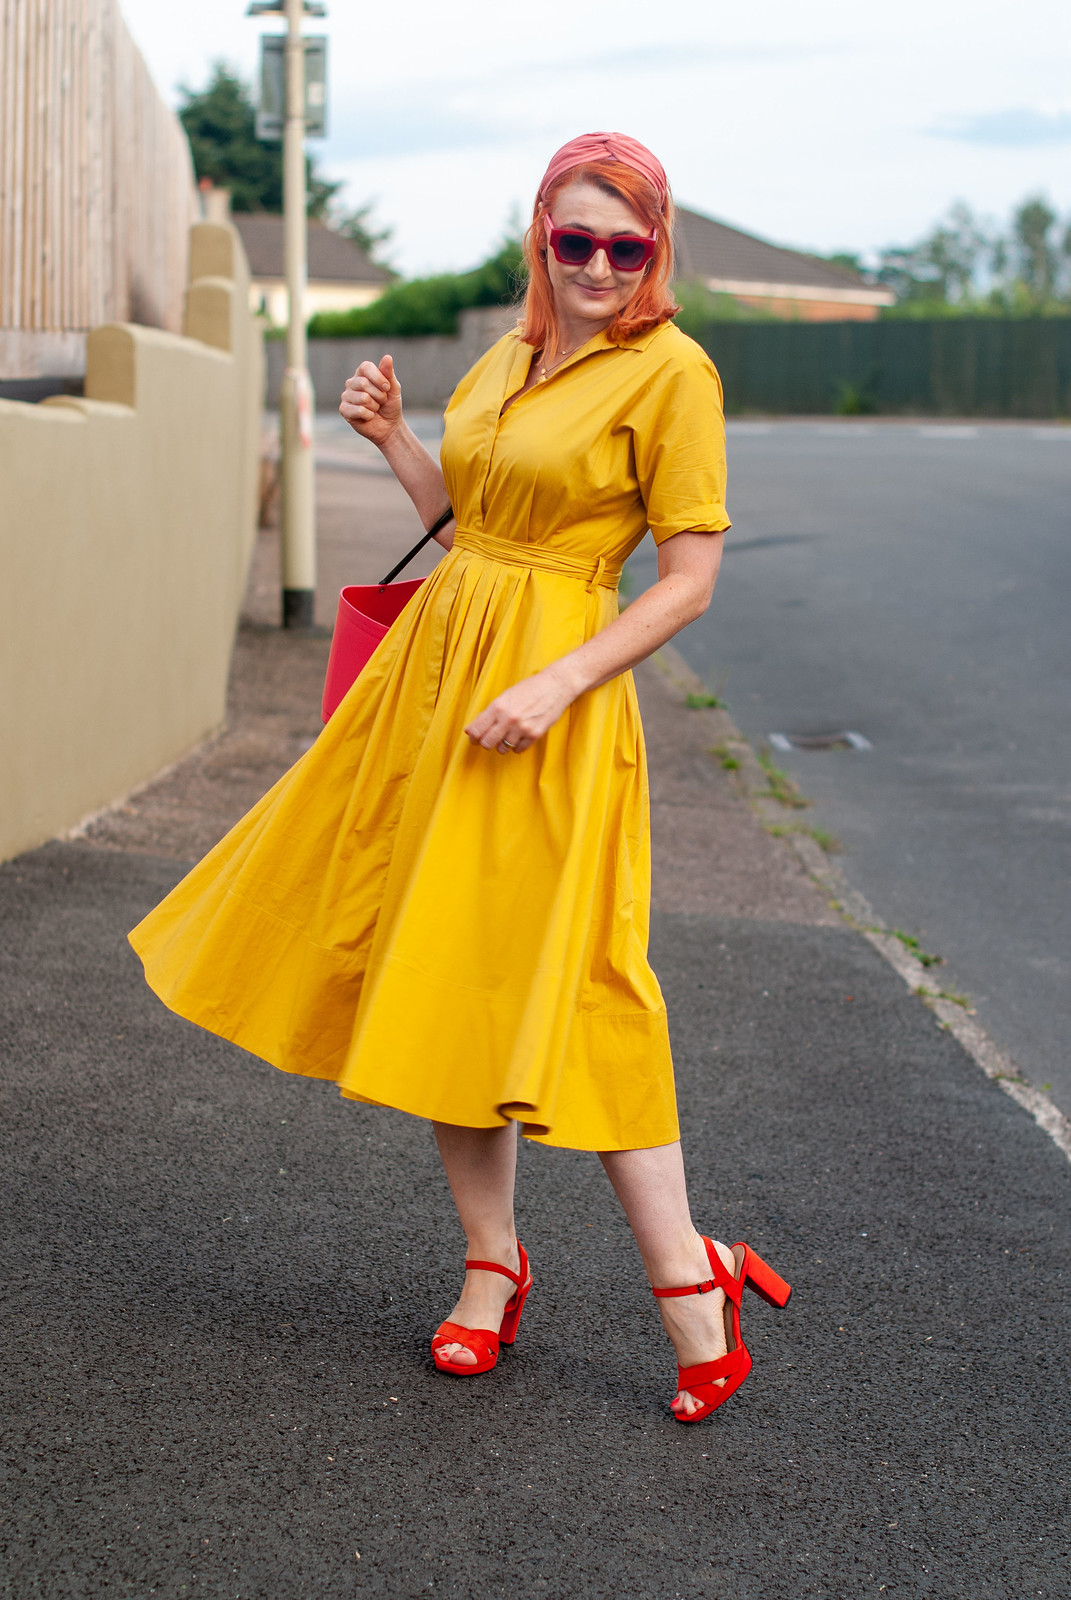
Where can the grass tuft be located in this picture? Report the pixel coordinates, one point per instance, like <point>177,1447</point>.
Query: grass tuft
<point>946,994</point>
<point>827,841</point>
<point>724,756</point>
<point>923,957</point>
<point>780,786</point>
<point>700,702</point>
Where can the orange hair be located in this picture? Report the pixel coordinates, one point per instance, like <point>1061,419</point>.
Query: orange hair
<point>651,304</point>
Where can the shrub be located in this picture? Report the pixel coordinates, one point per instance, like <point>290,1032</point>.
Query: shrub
<point>428,305</point>
<point>700,306</point>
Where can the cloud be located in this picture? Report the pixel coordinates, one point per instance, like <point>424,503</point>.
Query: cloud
<point>661,58</point>
<point>1015,127</point>
<point>411,126</point>
<point>506,108</point>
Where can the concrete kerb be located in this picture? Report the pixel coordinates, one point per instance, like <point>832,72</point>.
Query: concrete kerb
<point>951,1014</point>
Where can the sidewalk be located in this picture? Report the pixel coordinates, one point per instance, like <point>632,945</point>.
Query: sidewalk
<point>222,1279</point>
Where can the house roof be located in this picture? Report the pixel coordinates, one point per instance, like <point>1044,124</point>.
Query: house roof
<point>738,263</point>
<point>332,259</point>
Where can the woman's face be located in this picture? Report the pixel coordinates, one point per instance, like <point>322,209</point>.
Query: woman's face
<point>595,292</point>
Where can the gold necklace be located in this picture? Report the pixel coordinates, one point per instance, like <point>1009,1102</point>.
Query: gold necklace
<point>543,372</point>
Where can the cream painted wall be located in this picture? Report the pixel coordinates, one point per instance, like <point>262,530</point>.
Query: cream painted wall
<point>127,521</point>
<point>269,296</point>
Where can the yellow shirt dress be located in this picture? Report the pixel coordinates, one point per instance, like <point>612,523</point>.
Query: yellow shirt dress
<point>435,926</point>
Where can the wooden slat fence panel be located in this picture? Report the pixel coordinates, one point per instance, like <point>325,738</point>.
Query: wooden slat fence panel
<point>96,184</point>
<point>954,366</point>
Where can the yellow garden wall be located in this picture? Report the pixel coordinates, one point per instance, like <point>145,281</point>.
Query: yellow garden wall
<point>127,521</point>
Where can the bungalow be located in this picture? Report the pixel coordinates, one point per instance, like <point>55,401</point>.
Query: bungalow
<point>785,282</point>
<point>341,274</point>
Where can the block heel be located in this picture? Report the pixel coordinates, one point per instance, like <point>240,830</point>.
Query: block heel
<point>763,1280</point>
<point>712,1382</point>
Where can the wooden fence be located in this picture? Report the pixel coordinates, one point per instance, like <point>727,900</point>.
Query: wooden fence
<point>96,184</point>
<point>951,366</point>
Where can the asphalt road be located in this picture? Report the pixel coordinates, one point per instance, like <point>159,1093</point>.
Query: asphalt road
<point>219,1282</point>
<point>913,583</point>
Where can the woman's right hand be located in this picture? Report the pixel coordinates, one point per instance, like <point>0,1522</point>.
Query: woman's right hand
<point>372,401</point>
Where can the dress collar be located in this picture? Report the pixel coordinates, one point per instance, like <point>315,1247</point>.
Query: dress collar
<point>598,341</point>
<point>521,364</point>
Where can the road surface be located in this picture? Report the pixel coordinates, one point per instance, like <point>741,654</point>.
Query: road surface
<point>912,582</point>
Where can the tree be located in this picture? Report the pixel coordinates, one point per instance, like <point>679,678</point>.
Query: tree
<point>944,266</point>
<point>846,258</point>
<point>1034,250</point>
<point>360,226</point>
<point>960,267</point>
<point>220,122</point>
<point>956,251</point>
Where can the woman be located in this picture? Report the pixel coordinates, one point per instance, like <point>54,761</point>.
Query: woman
<point>444,905</point>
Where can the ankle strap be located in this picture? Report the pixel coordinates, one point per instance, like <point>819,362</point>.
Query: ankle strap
<point>519,1278</point>
<point>693,1288</point>
<point>722,1279</point>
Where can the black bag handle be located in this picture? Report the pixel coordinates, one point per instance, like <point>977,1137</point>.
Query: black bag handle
<point>435,528</point>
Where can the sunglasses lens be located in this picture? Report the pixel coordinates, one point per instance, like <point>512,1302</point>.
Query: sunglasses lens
<point>628,254</point>
<point>574,248</point>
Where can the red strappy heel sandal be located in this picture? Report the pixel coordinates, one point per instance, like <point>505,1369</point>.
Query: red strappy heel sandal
<point>702,1381</point>
<point>483,1342</point>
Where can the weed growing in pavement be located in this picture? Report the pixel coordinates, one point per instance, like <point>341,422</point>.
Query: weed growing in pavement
<point>922,956</point>
<point>827,841</point>
<point>699,702</point>
<point>724,756</point>
<point>781,787</point>
<point>946,994</point>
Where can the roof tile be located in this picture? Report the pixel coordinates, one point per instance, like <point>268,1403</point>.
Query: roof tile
<point>709,249</point>
<point>332,259</point>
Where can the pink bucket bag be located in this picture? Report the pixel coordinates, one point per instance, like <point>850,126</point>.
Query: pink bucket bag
<point>365,612</point>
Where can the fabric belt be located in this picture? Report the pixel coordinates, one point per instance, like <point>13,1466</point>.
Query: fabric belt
<point>600,574</point>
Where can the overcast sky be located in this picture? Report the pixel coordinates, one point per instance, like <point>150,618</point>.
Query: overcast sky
<point>831,125</point>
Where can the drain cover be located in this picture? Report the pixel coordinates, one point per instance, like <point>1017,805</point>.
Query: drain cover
<point>820,741</point>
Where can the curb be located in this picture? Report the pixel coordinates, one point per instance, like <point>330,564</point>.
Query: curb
<point>952,1015</point>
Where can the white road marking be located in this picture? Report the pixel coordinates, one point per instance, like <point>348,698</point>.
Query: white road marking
<point>948,431</point>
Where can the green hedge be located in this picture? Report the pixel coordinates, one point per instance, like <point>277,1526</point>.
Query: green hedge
<point>427,305</point>
<point>969,366</point>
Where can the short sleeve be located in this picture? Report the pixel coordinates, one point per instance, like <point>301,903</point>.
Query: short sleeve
<point>678,429</point>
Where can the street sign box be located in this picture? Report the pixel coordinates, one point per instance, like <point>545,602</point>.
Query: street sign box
<point>271,112</point>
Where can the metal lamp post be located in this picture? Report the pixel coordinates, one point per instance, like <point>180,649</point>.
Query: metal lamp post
<point>296,402</point>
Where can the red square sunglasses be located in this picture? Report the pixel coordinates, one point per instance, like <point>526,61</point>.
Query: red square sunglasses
<point>574,247</point>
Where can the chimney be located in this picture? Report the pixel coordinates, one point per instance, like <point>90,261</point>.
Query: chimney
<point>215,203</point>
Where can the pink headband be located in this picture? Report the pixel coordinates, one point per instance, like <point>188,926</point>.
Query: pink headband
<point>608,147</point>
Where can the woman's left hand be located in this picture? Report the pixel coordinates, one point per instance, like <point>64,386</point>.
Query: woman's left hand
<point>522,714</point>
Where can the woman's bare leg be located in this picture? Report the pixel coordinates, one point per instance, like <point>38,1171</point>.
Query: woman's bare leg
<point>481,1168</point>
<point>651,1187</point>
